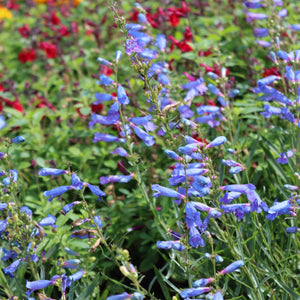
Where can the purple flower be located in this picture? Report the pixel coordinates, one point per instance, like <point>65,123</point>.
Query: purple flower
<point>68,207</point>
<point>39,284</point>
<point>202,282</point>
<point>143,135</point>
<point>239,209</point>
<point>120,151</point>
<point>264,44</point>
<point>164,191</point>
<point>239,188</point>
<point>161,42</point>
<point>280,208</point>
<point>148,54</point>
<point>51,171</point>
<point>194,292</point>
<point>292,229</point>
<point>115,178</point>
<point>56,192</point>
<point>121,94</point>
<point>18,139</point>
<point>77,184</point>
<point>132,46</point>
<point>76,276</point>
<point>102,98</point>
<point>12,268</point>
<point>95,190</point>
<point>49,221</point>
<point>9,254</point>
<point>105,80</point>
<point>260,32</point>
<point>3,225</point>
<point>170,245</point>
<point>122,296</point>
<point>255,16</point>
<point>111,118</point>
<point>213,89</point>
<point>98,221</point>
<point>195,239</point>
<point>2,206</point>
<point>232,267</point>
<point>230,163</point>
<point>282,13</point>
<point>217,142</point>
<point>102,137</point>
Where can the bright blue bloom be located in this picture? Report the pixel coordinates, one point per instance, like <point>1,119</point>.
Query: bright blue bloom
<point>195,239</point>
<point>233,93</point>
<point>71,252</point>
<point>115,178</point>
<point>102,98</point>
<point>286,57</point>
<point>133,26</point>
<point>3,225</point>
<point>190,148</point>
<point>48,221</point>
<point>290,74</point>
<point>172,154</point>
<point>161,42</point>
<point>194,292</point>
<point>2,206</point>
<point>121,94</point>
<point>68,207</point>
<point>105,80</point>
<point>76,276</point>
<point>141,38</point>
<point>230,163</point>
<point>217,142</point>
<point>213,89</point>
<point>185,111</point>
<point>255,16</point>
<point>292,229</point>
<point>193,84</point>
<point>235,170</point>
<point>95,190</point>
<point>6,181</point>
<point>98,221</point>
<point>202,282</point>
<point>282,13</point>
<point>253,4</point>
<point>148,54</point>
<point>39,284</point>
<point>163,79</point>
<point>103,61</point>
<point>70,264</point>
<point>132,46</point>
<point>18,139</point>
<point>280,208</point>
<point>270,111</point>
<point>141,120</point>
<point>264,44</point>
<point>291,187</point>
<point>170,245</point>
<point>232,267</point>
<point>14,175</point>
<point>228,197</point>
<point>283,159</point>
<point>56,192</point>
<point>118,55</point>
<point>77,184</point>
<point>51,171</point>
<point>256,203</point>
<point>239,209</point>
<point>137,296</point>
<point>2,122</point>
<point>260,32</point>
<point>12,268</point>
<point>9,254</point>
<point>164,191</point>
<point>111,118</point>
<point>208,109</point>
<point>123,296</point>
<point>240,188</point>
<point>102,137</point>
<point>142,18</point>
<point>212,75</point>
<point>143,135</point>
<point>120,151</point>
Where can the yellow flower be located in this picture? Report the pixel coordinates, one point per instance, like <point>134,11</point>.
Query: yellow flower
<point>5,13</point>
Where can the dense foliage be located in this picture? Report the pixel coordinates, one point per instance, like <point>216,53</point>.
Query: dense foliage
<point>150,150</point>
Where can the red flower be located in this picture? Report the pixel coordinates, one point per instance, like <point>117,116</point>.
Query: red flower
<point>74,27</point>
<point>215,69</point>
<point>205,53</point>
<point>24,31</point>
<point>63,30</point>
<point>27,55</point>
<point>152,19</point>
<point>49,49</point>
<point>54,19</point>
<point>196,137</point>
<point>106,71</point>
<point>2,89</point>
<point>96,108</point>
<point>14,104</point>
<point>12,5</point>
<point>184,47</point>
<point>134,16</point>
<point>173,19</point>
<point>188,34</point>
<point>271,71</point>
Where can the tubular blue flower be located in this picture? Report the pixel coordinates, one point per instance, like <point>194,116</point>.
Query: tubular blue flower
<point>194,292</point>
<point>260,32</point>
<point>239,209</point>
<point>98,221</point>
<point>283,159</point>
<point>118,55</point>
<point>161,42</point>
<point>9,254</point>
<point>291,187</point>
<point>14,175</point>
<point>232,267</point>
<point>218,296</point>
<point>253,4</point>
<point>208,109</point>
<point>280,208</point>
<point>18,139</point>
<point>172,154</point>
<point>56,192</point>
<point>71,252</point>
<point>217,142</point>
<point>163,79</point>
<point>292,230</point>
<point>230,163</point>
<point>189,148</point>
<point>102,98</point>
<point>256,203</point>
<point>134,26</point>
<point>142,18</point>
<point>195,239</point>
<point>121,94</point>
<point>3,225</point>
<point>68,207</point>
<point>170,245</point>
<point>103,61</point>
<point>213,89</point>
<point>39,284</point>
<point>52,172</point>
<point>2,122</point>
<point>143,135</point>
<point>102,137</point>
<point>282,13</point>
<point>264,44</point>
<point>255,16</point>
<point>3,206</point>
<point>76,276</point>
<point>270,111</point>
<point>239,188</point>
<point>105,80</point>
<point>132,45</point>
<point>111,118</point>
<point>77,184</point>
<point>115,178</point>
<point>202,282</point>
<point>120,151</point>
<point>164,191</point>
<point>95,190</point>
<point>212,75</point>
<point>286,57</point>
<point>12,268</point>
<point>219,259</point>
<point>6,181</point>
<point>123,296</point>
<point>148,54</point>
<point>137,296</point>
<point>235,170</point>
<point>48,221</point>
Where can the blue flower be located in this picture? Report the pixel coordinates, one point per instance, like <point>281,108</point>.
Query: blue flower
<point>48,221</point>
<point>292,229</point>
<point>164,191</point>
<point>51,171</point>
<point>143,135</point>
<point>68,207</point>
<point>115,178</point>
<point>77,184</point>
<point>120,151</point>
<point>218,296</point>
<point>95,190</point>
<point>56,192</point>
<point>121,94</point>
<point>161,42</point>
<point>9,254</point>
<point>105,80</point>
<point>98,221</point>
<point>70,264</point>
<point>217,142</point>
<point>76,276</point>
<point>202,282</point>
<point>39,284</point>
<point>170,245</point>
<point>232,267</point>
<point>102,98</point>
<point>18,139</point>
<point>123,296</point>
<point>12,268</point>
<point>118,55</point>
<point>103,61</point>
<point>102,137</point>
<point>132,45</point>
<point>194,292</point>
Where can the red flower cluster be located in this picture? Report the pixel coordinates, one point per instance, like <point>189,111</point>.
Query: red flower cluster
<point>49,49</point>
<point>183,44</point>
<point>14,104</point>
<point>27,55</point>
<point>271,71</point>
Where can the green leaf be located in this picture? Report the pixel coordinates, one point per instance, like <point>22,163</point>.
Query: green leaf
<point>163,285</point>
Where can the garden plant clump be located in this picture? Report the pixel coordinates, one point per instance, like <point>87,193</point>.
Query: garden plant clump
<point>149,150</point>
